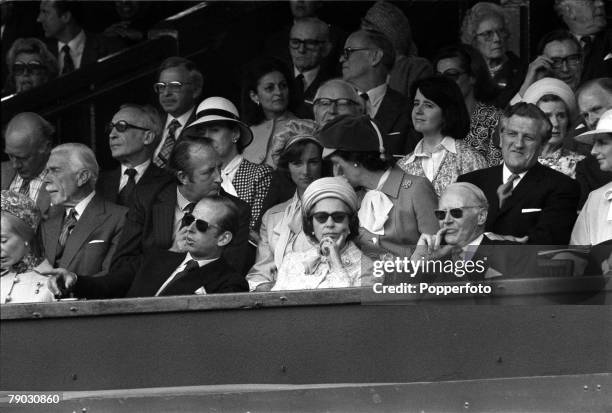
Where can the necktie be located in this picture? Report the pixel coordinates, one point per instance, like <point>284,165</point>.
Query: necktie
<point>67,227</point>
<point>191,265</point>
<point>164,154</point>
<point>586,43</point>
<point>68,62</point>
<point>504,191</point>
<point>25,187</point>
<point>125,195</point>
<point>299,83</point>
<point>188,210</point>
<point>366,102</point>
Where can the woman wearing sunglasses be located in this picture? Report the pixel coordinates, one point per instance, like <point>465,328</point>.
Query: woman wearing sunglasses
<point>30,64</point>
<point>440,115</point>
<point>329,219</point>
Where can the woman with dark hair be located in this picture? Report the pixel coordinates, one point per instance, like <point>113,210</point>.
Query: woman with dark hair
<point>299,161</point>
<point>440,115</point>
<point>397,207</point>
<point>30,64</point>
<point>485,27</point>
<point>329,220</point>
<point>467,68</point>
<point>266,100</point>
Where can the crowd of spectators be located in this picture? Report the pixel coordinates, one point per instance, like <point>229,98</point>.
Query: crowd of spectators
<point>345,149</point>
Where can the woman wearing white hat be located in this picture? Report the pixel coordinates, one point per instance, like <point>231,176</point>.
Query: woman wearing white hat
<point>217,119</point>
<point>555,98</point>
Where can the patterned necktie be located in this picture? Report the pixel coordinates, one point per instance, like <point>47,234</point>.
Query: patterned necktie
<point>164,154</point>
<point>69,223</point>
<point>125,195</point>
<point>504,191</point>
<point>25,187</point>
<point>68,62</point>
<point>190,266</point>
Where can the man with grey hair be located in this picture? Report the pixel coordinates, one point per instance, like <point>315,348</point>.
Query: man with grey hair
<point>83,229</point>
<point>367,59</point>
<point>133,134</point>
<point>528,202</point>
<point>27,144</point>
<point>309,46</point>
<point>462,213</point>
<point>336,97</point>
<point>586,21</point>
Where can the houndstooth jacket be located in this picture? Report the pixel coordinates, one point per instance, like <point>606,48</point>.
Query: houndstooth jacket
<point>252,183</point>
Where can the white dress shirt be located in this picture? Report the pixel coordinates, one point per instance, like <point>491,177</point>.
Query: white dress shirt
<point>182,120</point>
<point>77,46</point>
<point>140,170</point>
<point>430,162</point>
<point>506,173</point>
<point>228,173</point>
<point>80,207</point>
<point>375,98</point>
<point>180,268</point>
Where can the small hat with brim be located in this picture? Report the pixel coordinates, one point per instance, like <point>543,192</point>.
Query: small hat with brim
<point>551,86</point>
<point>218,109</point>
<point>604,127</point>
<point>352,134</point>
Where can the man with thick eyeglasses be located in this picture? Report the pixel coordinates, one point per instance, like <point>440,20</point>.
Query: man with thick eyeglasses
<point>334,98</point>
<point>367,59</point>
<point>309,45</point>
<point>586,21</point>
<point>179,86</point>
<point>560,57</point>
<point>528,202</point>
<point>27,143</point>
<point>463,214</point>
<point>132,133</point>
<point>199,269</point>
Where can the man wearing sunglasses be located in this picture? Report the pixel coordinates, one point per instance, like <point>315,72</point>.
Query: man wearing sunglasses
<point>179,86</point>
<point>133,133</point>
<point>200,269</point>
<point>528,202</point>
<point>367,59</point>
<point>28,144</point>
<point>462,214</point>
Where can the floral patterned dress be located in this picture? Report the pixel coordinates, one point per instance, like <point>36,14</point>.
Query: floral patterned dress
<point>562,160</point>
<point>483,128</point>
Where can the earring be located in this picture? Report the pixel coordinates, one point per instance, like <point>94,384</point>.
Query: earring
<point>26,243</point>
<point>355,164</point>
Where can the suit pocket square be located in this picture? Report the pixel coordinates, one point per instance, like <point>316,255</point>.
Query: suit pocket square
<point>608,56</point>
<point>393,133</point>
<point>200,291</point>
<point>528,210</point>
<point>96,241</point>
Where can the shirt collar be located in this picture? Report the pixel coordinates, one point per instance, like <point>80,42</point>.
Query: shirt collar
<point>309,75</point>
<point>181,119</point>
<point>140,169</point>
<point>377,94</point>
<point>80,207</point>
<point>506,174</point>
<point>232,166</point>
<point>76,45</point>
<point>181,201</point>
<point>201,263</point>
<point>447,144</point>
<point>475,243</point>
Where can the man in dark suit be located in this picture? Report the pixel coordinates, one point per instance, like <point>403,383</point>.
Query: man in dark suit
<point>309,46</point>
<point>73,46</point>
<point>586,21</point>
<point>528,202</point>
<point>201,269</point>
<point>133,134</point>
<point>179,86</point>
<point>83,229</point>
<point>367,59</point>
<point>462,213</point>
<point>157,210</point>
<point>27,144</point>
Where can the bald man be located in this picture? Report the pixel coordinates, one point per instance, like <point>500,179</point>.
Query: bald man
<point>28,145</point>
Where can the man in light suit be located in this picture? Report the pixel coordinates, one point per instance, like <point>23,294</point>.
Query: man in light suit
<point>179,86</point>
<point>200,269</point>
<point>366,61</point>
<point>83,229</point>
<point>528,202</point>
<point>27,144</point>
<point>133,134</point>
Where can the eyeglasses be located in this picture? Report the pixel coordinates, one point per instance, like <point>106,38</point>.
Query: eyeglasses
<point>201,225</point>
<point>456,213</point>
<point>489,34</point>
<point>337,217</point>
<point>34,67</point>
<point>122,126</point>
<point>172,87</point>
<point>348,51</point>
<point>571,60</point>
<point>452,74</point>
<point>309,44</point>
<point>340,103</point>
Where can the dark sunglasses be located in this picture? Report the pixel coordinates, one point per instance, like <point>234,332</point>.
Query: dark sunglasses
<point>121,126</point>
<point>456,213</point>
<point>201,225</point>
<point>337,217</point>
<point>33,67</point>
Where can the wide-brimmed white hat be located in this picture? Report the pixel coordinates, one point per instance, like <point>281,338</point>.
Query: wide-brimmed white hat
<point>604,126</point>
<point>552,86</point>
<point>216,109</point>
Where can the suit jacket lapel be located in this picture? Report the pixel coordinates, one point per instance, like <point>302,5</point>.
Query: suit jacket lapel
<point>387,112</point>
<point>490,187</point>
<point>163,215</point>
<point>195,279</point>
<point>160,270</point>
<point>527,185</point>
<point>92,218</point>
<point>53,227</point>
